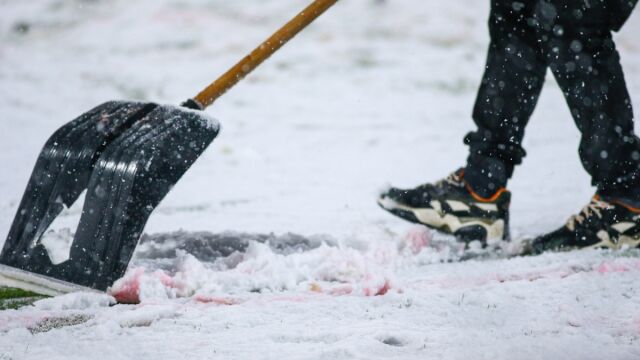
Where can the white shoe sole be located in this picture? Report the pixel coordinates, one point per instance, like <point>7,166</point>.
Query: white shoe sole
<point>606,242</point>
<point>436,219</point>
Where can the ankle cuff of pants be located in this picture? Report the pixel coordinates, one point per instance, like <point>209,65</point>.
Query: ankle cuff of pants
<point>625,188</point>
<point>485,175</point>
<point>482,145</point>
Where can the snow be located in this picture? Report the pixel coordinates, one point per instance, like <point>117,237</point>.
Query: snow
<point>80,301</point>
<point>375,92</point>
<point>207,119</point>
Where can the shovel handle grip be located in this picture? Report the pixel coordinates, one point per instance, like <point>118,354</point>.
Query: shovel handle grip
<point>225,82</point>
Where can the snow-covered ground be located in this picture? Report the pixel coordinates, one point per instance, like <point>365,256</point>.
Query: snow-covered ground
<point>375,92</point>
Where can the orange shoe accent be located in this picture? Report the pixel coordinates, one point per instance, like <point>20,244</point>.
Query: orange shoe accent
<point>479,198</point>
<point>618,202</point>
<point>629,207</point>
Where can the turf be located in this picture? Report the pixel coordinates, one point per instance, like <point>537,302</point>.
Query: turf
<point>12,298</point>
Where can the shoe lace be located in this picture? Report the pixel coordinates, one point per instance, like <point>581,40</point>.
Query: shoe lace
<point>595,207</point>
<point>455,179</point>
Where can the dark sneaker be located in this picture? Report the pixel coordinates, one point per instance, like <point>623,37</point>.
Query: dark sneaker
<point>600,224</point>
<point>451,207</point>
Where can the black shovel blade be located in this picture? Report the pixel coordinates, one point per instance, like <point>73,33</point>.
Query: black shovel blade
<point>129,177</point>
<point>62,172</point>
<point>129,180</point>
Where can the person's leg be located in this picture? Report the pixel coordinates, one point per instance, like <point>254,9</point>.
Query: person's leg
<point>577,42</point>
<point>511,84</point>
<point>472,203</point>
<point>583,58</point>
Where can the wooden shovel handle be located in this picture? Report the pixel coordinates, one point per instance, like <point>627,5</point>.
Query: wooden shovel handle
<point>262,52</point>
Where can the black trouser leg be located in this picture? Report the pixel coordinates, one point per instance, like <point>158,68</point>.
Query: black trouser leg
<point>574,39</point>
<point>587,67</point>
<point>510,87</point>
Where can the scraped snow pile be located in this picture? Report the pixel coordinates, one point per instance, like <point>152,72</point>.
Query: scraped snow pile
<point>367,269</point>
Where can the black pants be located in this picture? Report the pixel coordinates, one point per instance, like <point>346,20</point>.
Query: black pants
<point>574,41</point>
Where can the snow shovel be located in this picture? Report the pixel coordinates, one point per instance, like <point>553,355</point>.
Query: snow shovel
<point>127,156</point>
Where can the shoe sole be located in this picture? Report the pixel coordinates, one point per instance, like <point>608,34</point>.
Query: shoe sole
<point>607,243</point>
<point>446,223</point>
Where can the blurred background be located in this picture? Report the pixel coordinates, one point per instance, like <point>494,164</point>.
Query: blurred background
<point>375,92</point>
